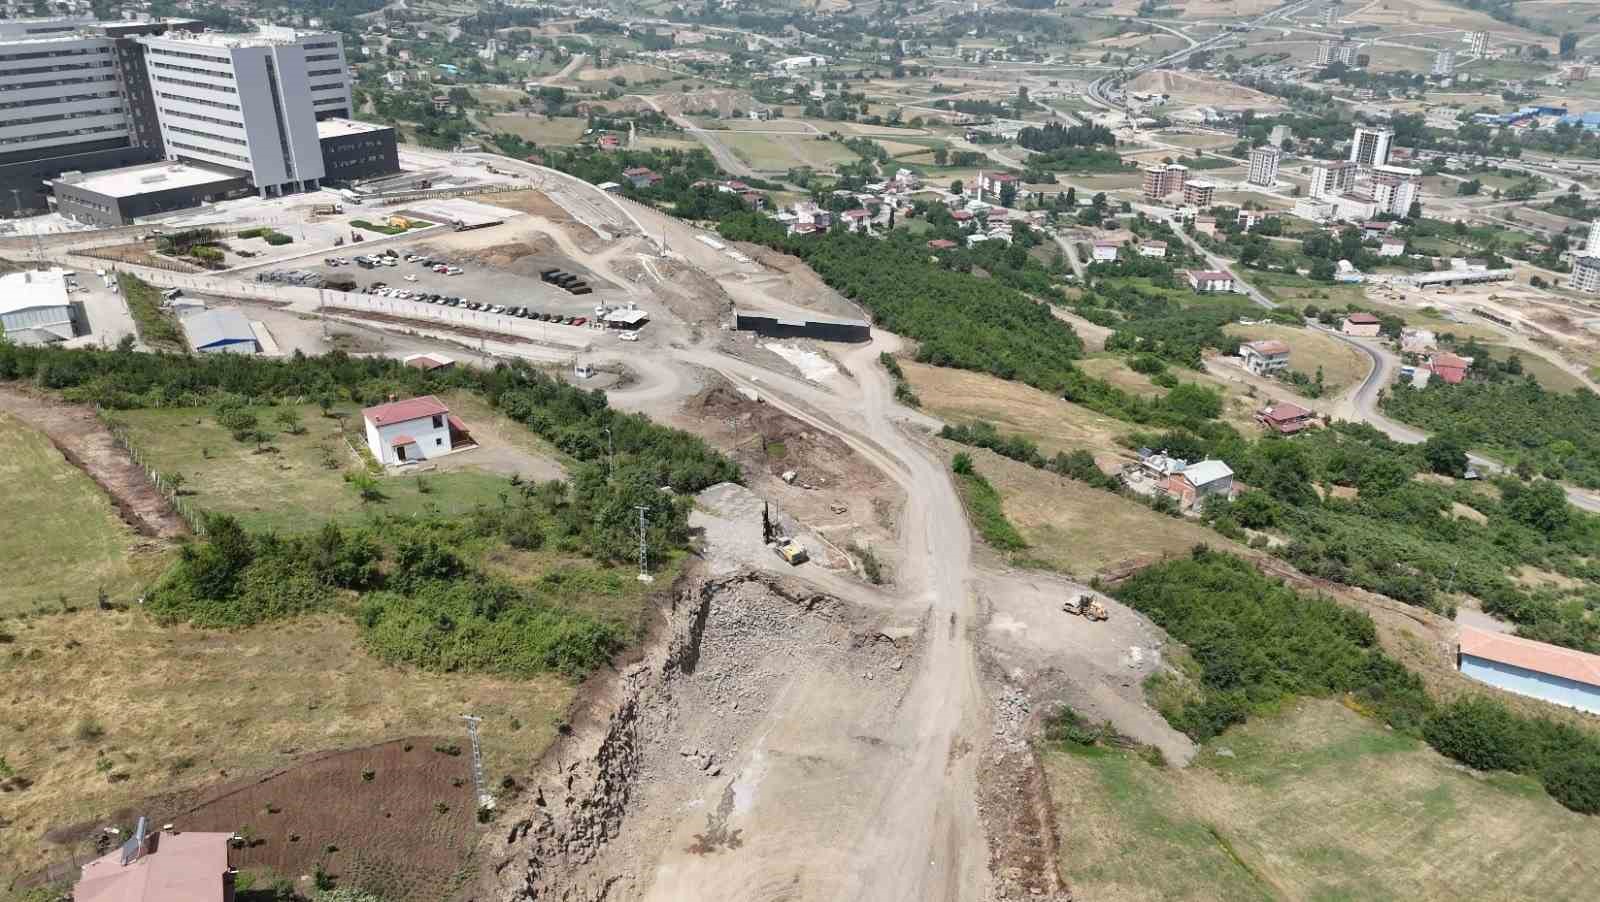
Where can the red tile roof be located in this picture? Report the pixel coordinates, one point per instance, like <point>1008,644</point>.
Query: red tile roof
<point>1210,275</point>
<point>1268,346</point>
<point>1284,412</point>
<point>1527,654</point>
<point>402,440</point>
<point>183,867</point>
<point>941,244</point>
<point>1362,319</point>
<point>405,411</point>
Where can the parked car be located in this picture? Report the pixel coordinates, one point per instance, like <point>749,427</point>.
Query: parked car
<point>580,320</point>
<point>629,336</point>
<point>454,271</point>
<point>410,278</point>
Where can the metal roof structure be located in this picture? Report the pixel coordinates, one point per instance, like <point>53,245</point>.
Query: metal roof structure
<point>1580,667</point>
<point>222,329</point>
<point>1206,472</point>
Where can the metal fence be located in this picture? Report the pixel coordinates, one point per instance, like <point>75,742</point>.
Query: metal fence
<point>190,514</point>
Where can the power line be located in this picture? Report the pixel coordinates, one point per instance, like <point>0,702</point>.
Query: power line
<point>644,548</point>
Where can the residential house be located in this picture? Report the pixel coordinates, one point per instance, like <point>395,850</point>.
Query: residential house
<point>1285,418</point>
<point>1210,280</point>
<point>1265,358</point>
<point>1199,481</point>
<point>1392,247</point>
<point>641,177</point>
<point>1105,251</point>
<point>1449,367</point>
<point>1375,229</point>
<point>161,866</point>
<point>1206,225</point>
<point>992,182</point>
<point>412,430</point>
<point>395,79</point>
<point>942,244</point>
<point>610,142</point>
<point>1249,219</point>
<point>856,220</point>
<point>1361,325</point>
<point>1152,248</point>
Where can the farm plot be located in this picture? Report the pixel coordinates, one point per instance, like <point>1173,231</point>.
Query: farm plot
<point>65,543</point>
<point>777,152</point>
<point>1309,351</point>
<point>539,129</point>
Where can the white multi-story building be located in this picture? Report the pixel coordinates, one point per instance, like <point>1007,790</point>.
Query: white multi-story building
<point>1329,52</point>
<point>1330,180</point>
<point>1444,63</point>
<point>1264,165</point>
<point>1394,188</point>
<point>1592,246</point>
<point>249,102</point>
<point>1370,147</point>
<point>1585,275</point>
<point>1280,134</point>
<point>1479,41</point>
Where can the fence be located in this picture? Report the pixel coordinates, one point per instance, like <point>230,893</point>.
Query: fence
<point>389,200</point>
<point>190,514</point>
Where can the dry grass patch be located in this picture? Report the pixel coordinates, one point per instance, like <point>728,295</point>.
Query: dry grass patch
<point>152,709</point>
<point>959,396</point>
<point>539,129</point>
<point>1342,365</point>
<point>1115,371</point>
<point>64,541</point>
<point>1537,578</point>
<point>1315,803</point>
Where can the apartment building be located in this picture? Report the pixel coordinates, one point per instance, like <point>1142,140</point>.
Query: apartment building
<point>1444,63</point>
<point>1328,52</point>
<point>1159,181</point>
<point>249,102</point>
<point>74,96</point>
<point>1585,274</point>
<point>1264,162</point>
<point>1395,188</point>
<point>1199,193</point>
<point>1370,147</point>
<point>1330,180</point>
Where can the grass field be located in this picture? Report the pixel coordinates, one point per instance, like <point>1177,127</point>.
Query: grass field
<point>539,129</point>
<point>65,541</point>
<point>959,396</point>
<point>1295,289</point>
<point>1316,802</point>
<point>290,489</point>
<point>154,709</point>
<point>771,152</point>
<point>1549,375</point>
<point>1341,364</point>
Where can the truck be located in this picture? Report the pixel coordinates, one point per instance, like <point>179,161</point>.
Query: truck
<point>1086,606</point>
<point>326,209</point>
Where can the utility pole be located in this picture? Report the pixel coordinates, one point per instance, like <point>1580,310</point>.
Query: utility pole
<point>611,455</point>
<point>16,198</point>
<point>484,799</point>
<point>644,548</point>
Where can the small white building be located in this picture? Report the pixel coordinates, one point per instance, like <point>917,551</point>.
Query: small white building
<point>1392,247</point>
<point>412,430</point>
<point>1153,249</point>
<point>1265,358</point>
<point>1210,280</point>
<point>1105,251</point>
<point>34,308</point>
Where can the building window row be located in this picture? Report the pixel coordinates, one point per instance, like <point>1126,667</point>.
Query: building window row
<point>63,117</point>
<point>209,136</point>
<point>57,82</point>
<point>202,150</point>
<point>214,104</point>
<point>226,89</point>
<point>174,67</point>
<point>35,70</point>
<point>329,86</point>
<point>48,54</point>
<point>62,98</point>
<point>325,101</point>
<point>71,133</point>
<point>184,114</point>
<point>321,45</point>
<point>181,54</point>
<point>321,57</point>
<point>314,73</point>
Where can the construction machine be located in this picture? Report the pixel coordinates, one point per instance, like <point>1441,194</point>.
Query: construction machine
<point>1086,606</point>
<point>791,551</point>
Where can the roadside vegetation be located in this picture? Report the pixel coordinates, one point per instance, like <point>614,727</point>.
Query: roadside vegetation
<point>1255,644</point>
<point>983,506</point>
<point>156,329</point>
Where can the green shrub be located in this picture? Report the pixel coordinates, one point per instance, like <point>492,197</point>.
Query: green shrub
<point>1480,733</point>
<point>1574,782</point>
<point>987,513</point>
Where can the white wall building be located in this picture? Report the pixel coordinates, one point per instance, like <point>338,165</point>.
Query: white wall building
<point>60,89</point>
<point>408,431</point>
<point>250,102</point>
<point>1585,275</point>
<point>1394,188</point>
<point>1370,147</point>
<point>34,308</point>
<point>1264,163</point>
<point>1593,245</point>
<point>1329,180</point>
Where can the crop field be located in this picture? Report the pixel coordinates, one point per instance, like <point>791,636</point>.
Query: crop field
<point>959,396</point>
<point>65,542</point>
<point>300,483</point>
<point>159,709</point>
<point>772,152</point>
<point>1341,365</point>
<point>1298,290</point>
<point>1315,802</point>
<point>538,128</point>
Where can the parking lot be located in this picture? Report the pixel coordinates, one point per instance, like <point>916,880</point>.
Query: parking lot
<point>467,286</point>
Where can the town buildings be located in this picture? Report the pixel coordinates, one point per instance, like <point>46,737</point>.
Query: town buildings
<point>1361,325</point>
<point>1558,675</point>
<point>1585,274</point>
<point>1444,63</point>
<point>1264,162</point>
<point>1331,180</point>
<point>1159,181</point>
<point>415,429</point>
<point>1370,147</point>
<point>35,309</point>
<point>1329,52</point>
<point>1198,193</point>
<point>1265,358</point>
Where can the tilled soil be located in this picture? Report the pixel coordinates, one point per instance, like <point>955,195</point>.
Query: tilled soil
<point>87,444</point>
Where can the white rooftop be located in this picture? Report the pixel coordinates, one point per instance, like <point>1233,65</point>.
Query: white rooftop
<point>334,128</point>
<point>21,291</point>
<point>268,36</point>
<point>134,180</point>
<point>1206,472</point>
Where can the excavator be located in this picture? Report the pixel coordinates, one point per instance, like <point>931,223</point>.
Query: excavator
<point>1086,606</point>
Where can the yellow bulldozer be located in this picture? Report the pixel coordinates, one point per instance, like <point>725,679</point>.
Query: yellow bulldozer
<point>1086,606</point>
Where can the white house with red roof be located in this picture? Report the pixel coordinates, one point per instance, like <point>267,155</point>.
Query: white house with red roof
<point>412,430</point>
<point>1561,676</point>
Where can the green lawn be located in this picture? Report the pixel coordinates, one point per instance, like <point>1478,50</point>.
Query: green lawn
<point>1315,802</point>
<point>1293,288</point>
<point>64,541</point>
<point>289,488</point>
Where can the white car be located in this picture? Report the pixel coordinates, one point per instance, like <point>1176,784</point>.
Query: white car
<point>454,271</point>
<point>410,278</point>
<point>629,336</point>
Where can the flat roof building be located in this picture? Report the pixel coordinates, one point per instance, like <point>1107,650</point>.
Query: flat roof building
<point>34,308</point>
<point>116,197</point>
<point>223,330</point>
<point>168,866</point>
<point>352,150</point>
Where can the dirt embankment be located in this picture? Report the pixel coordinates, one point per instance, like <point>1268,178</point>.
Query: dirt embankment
<point>87,444</point>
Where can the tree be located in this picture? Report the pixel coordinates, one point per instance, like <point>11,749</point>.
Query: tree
<point>956,186</point>
<point>1008,194</point>
<point>289,419</point>
<point>1445,455</point>
<point>1415,212</point>
<point>1467,189</point>
<point>1569,45</point>
<point>941,156</point>
<point>175,481</point>
<point>1542,506</point>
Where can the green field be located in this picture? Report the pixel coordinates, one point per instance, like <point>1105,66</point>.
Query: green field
<point>775,152</point>
<point>539,129</point>
<point>1315,802</point>
<point>289,489</point>
<point>1292,288</point>
<point>65,541</point>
